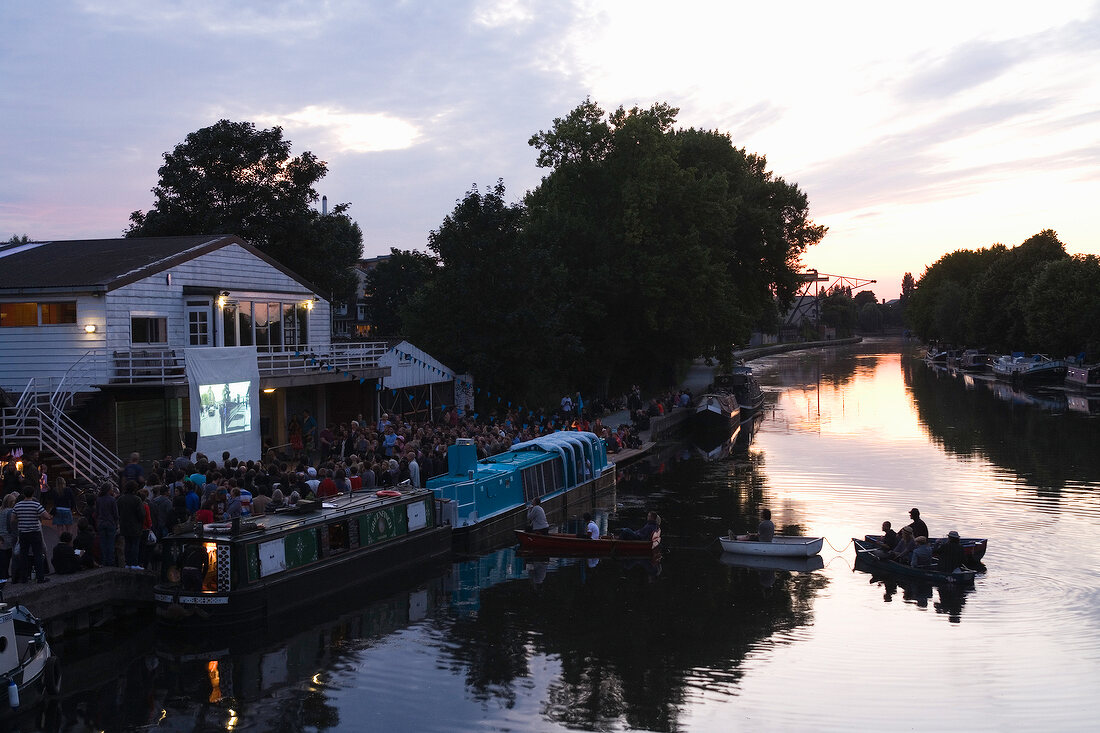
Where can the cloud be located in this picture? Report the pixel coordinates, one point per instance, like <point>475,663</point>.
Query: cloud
<point>348,132</point>
<point>967,66</point>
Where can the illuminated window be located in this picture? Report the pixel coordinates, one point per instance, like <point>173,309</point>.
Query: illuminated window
<point>59,312</point>
<point>18,314</point>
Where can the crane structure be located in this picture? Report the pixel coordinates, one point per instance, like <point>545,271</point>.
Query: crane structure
<point>806,305</point>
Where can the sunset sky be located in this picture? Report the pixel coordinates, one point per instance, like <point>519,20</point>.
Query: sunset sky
<point>915,130</point>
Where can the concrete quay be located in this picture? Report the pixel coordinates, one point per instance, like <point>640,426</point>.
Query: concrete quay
<point>69,604</point>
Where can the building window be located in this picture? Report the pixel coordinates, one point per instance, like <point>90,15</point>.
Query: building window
<point>18,314</point>
<point>53,313</point>
<point>148,330</point>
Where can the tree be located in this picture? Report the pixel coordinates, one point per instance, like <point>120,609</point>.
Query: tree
<point>908,285</point>
<point>16,239</point>
<point>954,273</point>
<point>231,178</point>
<point>998,303</point>
<point>678,238</point>
<point>1063,307</point>
<point>391,285</point>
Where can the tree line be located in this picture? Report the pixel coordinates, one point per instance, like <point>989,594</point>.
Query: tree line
<point>1033,297</point>
<point>643,247</point>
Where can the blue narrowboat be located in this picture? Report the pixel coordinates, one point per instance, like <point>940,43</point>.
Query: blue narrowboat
<point>486,500</point>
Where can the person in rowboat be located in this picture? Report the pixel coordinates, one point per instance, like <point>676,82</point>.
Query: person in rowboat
<point>922,553</point>
<point>765,531</point>
<point>536,517</point>
<point>950,553</point>
<point>889,537</point>
<point>904,547</point>
<point>920,529</point>
<point>652,525</point>
<point>591,529</point>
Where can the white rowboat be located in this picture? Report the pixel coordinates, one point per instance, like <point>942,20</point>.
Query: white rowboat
<point>780,546</point>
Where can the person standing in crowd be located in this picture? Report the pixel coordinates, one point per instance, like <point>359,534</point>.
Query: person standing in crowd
<point>29,514</point>
<point>414,470</point>
<point>9,535</point>
<point>131,517</point>
<point>133,471</point>
<point>106,522</point>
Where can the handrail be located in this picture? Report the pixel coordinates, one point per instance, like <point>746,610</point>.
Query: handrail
<point>61,398</point>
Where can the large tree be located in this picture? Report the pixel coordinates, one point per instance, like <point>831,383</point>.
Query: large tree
<point>231,178</point>
<point>676,243</point>
<point>1063,307</point>
<point>391,284</point>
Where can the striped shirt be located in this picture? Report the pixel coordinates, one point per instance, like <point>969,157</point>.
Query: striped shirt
<point>27,513</point>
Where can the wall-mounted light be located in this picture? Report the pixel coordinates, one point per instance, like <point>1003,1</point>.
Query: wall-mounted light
<point>309,304</point>
<point>89,328</point>
<point>221,298</point>
<point>168,279</point>
<point>269,390</point>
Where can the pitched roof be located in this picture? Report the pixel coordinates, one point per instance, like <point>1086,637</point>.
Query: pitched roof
<point>109,263</point>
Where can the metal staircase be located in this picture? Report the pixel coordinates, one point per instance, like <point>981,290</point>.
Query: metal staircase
<point>38,419</point>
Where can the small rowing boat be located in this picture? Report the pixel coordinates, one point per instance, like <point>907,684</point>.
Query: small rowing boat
<point>973,548</point>
<point>567,544</point>
<point>865,554</point>
<point>780,546</point>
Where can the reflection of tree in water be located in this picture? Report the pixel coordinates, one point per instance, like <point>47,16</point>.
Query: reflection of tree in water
<point>631,644</point>
<point>1044,449</point>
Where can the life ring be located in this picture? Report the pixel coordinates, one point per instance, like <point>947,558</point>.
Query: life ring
<point>387,493</point>
<point>51,675</point>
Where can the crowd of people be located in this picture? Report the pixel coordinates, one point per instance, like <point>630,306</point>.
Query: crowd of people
<point>120,522</point>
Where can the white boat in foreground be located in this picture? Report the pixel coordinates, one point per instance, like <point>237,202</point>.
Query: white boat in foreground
<point>780,546</point>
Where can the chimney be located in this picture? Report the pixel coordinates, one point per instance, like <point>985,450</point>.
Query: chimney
<point>324,206</point>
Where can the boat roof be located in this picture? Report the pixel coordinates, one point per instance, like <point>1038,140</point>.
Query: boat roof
<point>332,507</point>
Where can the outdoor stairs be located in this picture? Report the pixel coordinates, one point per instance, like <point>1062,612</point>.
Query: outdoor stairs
<point>39,421</point>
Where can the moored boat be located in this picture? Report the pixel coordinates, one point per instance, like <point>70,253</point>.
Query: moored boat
<point>1083,377</point>
<point>780,546</point>
<point>866,554</point>
<point>744,386</point>
<point>486,500</point>
<point>1034,369</point>
<point>716,412</point>
<point>253,571</point>
<point>973,360</point>
<point>27,666</point>
<point>973,547</point>
<point>566,544</point>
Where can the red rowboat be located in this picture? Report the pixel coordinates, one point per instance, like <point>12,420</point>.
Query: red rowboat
<point>567,544</point>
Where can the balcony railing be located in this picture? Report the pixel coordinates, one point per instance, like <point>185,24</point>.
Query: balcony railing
<point>150,366</point>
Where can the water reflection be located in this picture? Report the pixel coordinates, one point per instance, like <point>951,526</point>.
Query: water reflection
<point>1030,433</point>
<point>916,592</point>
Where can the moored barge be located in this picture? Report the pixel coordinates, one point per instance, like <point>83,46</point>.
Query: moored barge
<point>252,571</point>
<point>486,500</point>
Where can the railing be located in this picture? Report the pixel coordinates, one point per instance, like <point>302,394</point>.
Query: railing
<point>85,372</point>
<point>148,366</point>
<point>34,419</point>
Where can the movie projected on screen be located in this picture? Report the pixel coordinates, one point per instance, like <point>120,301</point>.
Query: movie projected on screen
<point>224,408</point>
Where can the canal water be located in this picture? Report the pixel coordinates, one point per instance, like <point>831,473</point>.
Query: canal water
<point>849,437</point>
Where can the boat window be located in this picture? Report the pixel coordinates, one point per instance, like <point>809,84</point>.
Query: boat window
<point>338,537</point>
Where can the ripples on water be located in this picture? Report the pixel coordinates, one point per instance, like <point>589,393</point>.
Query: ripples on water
<point>850,437</point>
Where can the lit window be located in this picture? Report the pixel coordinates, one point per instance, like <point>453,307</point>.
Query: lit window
<point>18,314</point>
<point>59,312</point>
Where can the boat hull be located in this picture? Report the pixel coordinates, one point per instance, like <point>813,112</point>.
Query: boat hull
<point>780,546</point>
<point>561,544</point>
<point>865,555</point>
<point>1085,377</point>
<point>716,413</point>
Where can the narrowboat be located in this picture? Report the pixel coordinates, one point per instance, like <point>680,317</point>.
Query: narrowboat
<point>486,500</point>
<point>716,412</point>
<point>251,571</point>
<point>744,387</point>
<point>1083,377</point>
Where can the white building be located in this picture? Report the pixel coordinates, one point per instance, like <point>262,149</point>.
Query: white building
<point>97,330</point>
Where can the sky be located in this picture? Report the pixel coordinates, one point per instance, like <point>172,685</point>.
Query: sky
<point>914,130</point>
